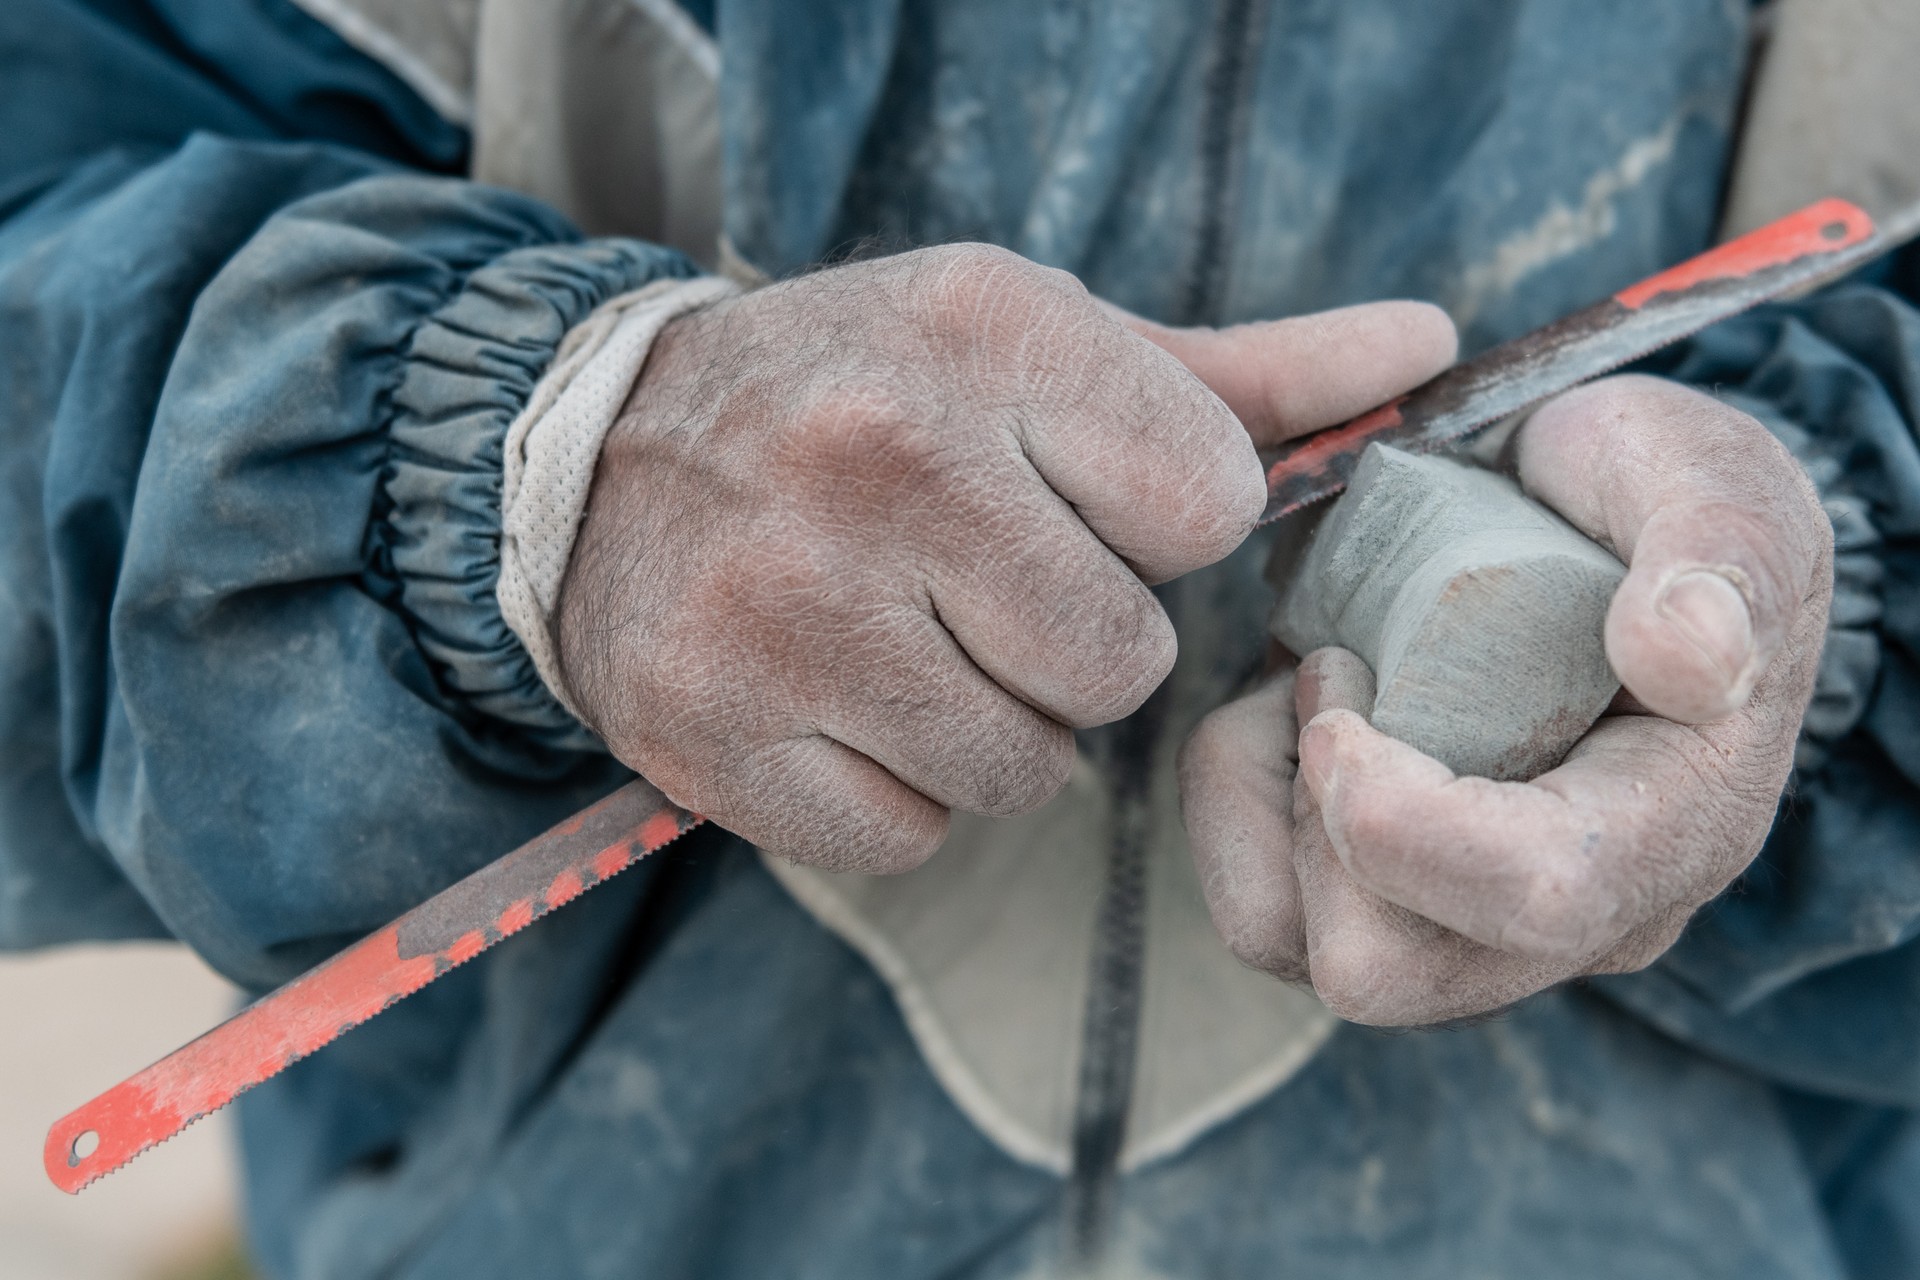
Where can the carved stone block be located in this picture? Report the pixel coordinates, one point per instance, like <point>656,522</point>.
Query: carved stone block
<point>1481,612</point>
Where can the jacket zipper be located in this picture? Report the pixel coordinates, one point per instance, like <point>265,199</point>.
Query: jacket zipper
<point>1110,1029</point>
<point>1223,130</point>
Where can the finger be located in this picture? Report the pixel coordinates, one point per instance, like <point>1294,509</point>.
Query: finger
<point>1644,945</point>
<point>813,800</point>
<point>1284,378</point>
<point>1047,610</point>
<point>935,721</point>
<point>1372,960</point>
<point>1035,599</point>
<point>1333,679</point>
<point>1376,963</point>
<point>1236,782</point>
<point>1724,537</point>
<point>1154,464</point>
<point>1645,815</point>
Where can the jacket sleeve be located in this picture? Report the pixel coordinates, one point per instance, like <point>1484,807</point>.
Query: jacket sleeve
<point>255,689</point>
<point>1808,969</point>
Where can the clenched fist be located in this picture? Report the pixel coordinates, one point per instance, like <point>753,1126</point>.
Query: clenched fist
<point>1333,855</point>
<point>865,546</point>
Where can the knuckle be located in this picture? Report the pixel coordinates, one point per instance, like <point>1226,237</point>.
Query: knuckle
<point>966,263</point>
<point>1023,340</point>
<point>1563,917</point>
<point>876,841</point>
<point>1218,509</point>
<point>1624,395</point>
<point>849,429</point>
<point>1197,475</point>
<point>1118,654</point>
<point>1263,948</point>
<point>969,282</point>
<point>797,798</point>
<point>1024,778</point>
<point>1350,984</point>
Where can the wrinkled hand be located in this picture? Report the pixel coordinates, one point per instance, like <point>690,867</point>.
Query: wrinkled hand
<point>1405,895</point>
<point>865,545</point>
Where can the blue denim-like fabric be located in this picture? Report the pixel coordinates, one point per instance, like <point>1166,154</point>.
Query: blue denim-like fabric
<point>255,392</point>
<point>253,691</point>
<point>746,1103</point>
<point>1375,151</point>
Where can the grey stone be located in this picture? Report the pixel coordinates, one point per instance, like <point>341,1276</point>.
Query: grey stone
<point>1481,612</point>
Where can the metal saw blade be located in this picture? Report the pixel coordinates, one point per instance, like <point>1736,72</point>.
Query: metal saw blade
<point>1819,243</point>
<point>387,966</point>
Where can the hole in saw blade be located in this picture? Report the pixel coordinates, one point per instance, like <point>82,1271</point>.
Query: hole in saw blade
<point>1834,231</point>
<point>84,1145</point>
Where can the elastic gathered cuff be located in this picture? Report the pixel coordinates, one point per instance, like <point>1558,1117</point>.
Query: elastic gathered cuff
<point>470,369</point>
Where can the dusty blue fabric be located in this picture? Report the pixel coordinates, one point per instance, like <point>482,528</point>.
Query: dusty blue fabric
<point>255,392</point>
<point>746,1104</point>
<point>1465,153</point>
<point>255,368</point>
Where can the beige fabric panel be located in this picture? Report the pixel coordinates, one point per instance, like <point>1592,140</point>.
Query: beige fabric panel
<point>1835,111</point>
<point>606,109</point>
<point>987,948</point>
<point>427,43</point>
<point>1215,1036</point>
<point>988,945</point>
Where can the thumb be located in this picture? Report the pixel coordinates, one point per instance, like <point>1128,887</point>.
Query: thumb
<point>1284,378</point>
<point>1729,553</point>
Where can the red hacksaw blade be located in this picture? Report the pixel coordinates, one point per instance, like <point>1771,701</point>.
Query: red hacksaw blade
<point>337,995</point>
<point>1821,242</point>
<point>1817,244</point>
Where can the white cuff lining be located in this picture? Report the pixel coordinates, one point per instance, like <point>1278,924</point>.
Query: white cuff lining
<point>552,446</point>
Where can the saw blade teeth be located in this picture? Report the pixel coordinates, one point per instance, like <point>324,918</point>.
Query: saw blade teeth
<point>684,821</point>
<point>130,1157</point>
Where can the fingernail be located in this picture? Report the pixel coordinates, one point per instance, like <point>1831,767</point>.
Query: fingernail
<point>1319,767</point>
<point>1710,612</point>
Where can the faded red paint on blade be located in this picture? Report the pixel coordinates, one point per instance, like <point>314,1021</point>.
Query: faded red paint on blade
<point>1322,452</point>
<point>1819,243</point>
<point>1822,227</point>
<point>389,965</point>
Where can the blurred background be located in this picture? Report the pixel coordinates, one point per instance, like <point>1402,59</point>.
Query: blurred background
<point>77,1021</point>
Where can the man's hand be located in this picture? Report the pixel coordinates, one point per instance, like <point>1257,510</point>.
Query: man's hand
<point>1406,895</point>
<point>866,545</point>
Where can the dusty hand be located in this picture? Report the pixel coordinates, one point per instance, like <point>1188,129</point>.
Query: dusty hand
<point>865,545</point>
<point>1406,895</point>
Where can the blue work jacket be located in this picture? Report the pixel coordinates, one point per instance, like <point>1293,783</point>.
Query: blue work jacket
<point>259,343</point>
